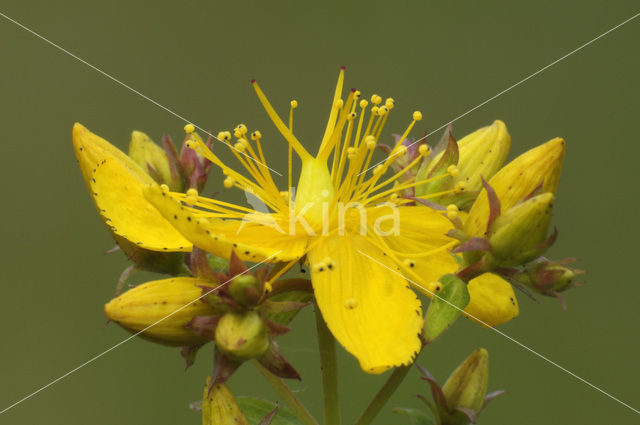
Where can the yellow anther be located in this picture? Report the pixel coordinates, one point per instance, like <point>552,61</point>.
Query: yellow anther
<point>192,192</point>
<point>424,150</point>
<point>189,128</point>
<point>352,115</point>
<point>319,267</point>
<point>389,103</point>
<point>356,94</point>
<point>229,182</point>
<point>242,128</point>
<point>378,169</point>
<point>189,144</point>
<point>374,110</point>
<point>221,135</point>
<point>459,187</point>
<point>340,103</point>
<point>453,171</point>
<point>285,195</point>
<point>400,151</point>
<point>227,135</point>
<point>375,99</point>
<point>417,115</point>
<point>351,153</point>
<point>370,141</point>
<point>363,103</point>
<point>165,188</point>
<point>350,303</point>
<point>382,110</point>
<point>394,198</point>
<point>408,263</point>
<point>256,135</point>
<point>452,211</point>
<point>239,146</point>
<point>268,287</point>
<point>294,104</point>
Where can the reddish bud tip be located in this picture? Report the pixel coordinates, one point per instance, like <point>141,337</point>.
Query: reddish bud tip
<point>253,81</point>
<point>353,90</point>
<point>343,68</point>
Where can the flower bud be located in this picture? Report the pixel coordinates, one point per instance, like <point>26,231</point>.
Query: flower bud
<point>482,153</point>
<point>161,309</point>
<point>242,336</point>
<point>150,157</point>
<point>467,385</point>
<point>539,167</point>
<point>245,289</point>
<point>548,278</point>
<point>219,406</point>
<point>517,235</point>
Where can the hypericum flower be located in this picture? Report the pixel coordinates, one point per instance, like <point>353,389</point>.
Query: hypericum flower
<point>350,226</point>
<point>354,232</point>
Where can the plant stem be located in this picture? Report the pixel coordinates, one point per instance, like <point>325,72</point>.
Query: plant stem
<point>383,395</point>
<point>329,367</point>
<point>287,395</point>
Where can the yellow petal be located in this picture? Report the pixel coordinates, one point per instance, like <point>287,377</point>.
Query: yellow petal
<point>538,166</point>
<point>492,300</point>
<point>421,230</point>
<point>250,240</point>
<point>367,307</point>
<point>115,183</point>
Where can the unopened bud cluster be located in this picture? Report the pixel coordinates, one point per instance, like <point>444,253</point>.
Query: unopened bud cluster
<point>501,214</point>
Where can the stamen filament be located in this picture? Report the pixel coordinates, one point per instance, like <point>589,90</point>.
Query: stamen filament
<point>286,133</point>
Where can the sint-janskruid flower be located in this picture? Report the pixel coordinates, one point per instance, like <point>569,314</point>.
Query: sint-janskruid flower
<point>359,238</point>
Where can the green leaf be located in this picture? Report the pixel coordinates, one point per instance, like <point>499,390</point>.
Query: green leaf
<point>445,307</point>
<point>416,417</point>
<point>256,408</point>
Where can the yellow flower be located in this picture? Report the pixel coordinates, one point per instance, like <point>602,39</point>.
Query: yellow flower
<point>361,242</point>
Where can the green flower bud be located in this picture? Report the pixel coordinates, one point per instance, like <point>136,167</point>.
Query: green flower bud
<point>151,158</point>
<point>477,155</point>
<point>161,309</point>
<point>245,289</point>
<point>539,167</point>
<point>242,336</point>
<point>482,153</point>
<point>548,278</point>
<point>467,385</point>
<point>517,235</point>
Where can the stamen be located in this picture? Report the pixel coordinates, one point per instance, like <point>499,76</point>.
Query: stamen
<point>424,150</point>
<point>452,211</point>
<point>286,133</point>
<point>189,128</point>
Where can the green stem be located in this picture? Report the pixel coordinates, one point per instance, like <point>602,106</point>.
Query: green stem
<point>287,395</point>
<point>329,367</point>
<point>383,395</point>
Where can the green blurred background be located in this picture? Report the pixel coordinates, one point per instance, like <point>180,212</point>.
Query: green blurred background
<point>197,58</point>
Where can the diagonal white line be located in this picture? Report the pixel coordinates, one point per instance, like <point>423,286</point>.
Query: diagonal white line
<point>512,86</point>
<point>109,76</point>
<point>509,338</point>
<point>91,360</point>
